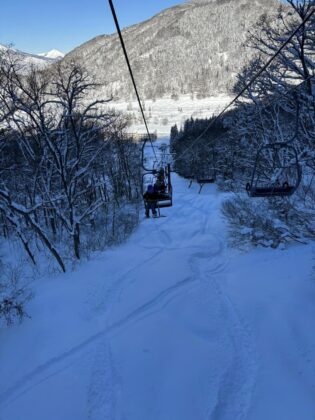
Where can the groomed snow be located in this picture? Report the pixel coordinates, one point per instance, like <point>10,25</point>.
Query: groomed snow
<point>172,325</point>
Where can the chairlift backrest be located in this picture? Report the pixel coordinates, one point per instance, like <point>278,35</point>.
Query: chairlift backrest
<point>286,171</point>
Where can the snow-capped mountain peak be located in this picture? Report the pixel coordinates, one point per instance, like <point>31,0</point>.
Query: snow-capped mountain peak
<point>54,54</point>
<point>29,60</point>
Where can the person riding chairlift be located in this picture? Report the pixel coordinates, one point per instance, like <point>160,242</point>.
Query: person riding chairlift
<point>159,185</point>
<point>150,201</point>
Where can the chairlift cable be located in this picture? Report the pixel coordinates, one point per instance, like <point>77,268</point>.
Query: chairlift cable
<point>133,81</point>
<point>248,85</point>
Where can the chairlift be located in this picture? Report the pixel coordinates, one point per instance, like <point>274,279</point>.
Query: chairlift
<point>205,175</point>
<point>159,170</point>
<point>277,172</point>
<point>165,195</point>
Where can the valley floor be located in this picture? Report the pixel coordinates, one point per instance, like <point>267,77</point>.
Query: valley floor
<point>165,112</point>
<point>172,325</point>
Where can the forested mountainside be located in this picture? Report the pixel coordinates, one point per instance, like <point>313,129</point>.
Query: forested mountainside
<point>196,47</point>
<point>265,143</point>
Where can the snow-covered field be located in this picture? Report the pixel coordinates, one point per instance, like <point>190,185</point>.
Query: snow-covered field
<point>163,113</point>
<point>172,325</point>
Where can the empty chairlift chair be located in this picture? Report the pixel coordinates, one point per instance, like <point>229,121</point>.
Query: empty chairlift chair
<point>277,172</point>
<point>207,176</point>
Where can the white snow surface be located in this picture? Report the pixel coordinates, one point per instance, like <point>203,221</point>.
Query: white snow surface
<point>171,325</point>
<point>162,113</point>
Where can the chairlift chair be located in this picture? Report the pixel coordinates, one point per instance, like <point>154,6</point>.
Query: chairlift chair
<point>165,199</point>
<point>284,175</point>
<point>206,176</point>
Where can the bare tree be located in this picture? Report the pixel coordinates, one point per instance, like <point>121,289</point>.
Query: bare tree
<point>64,161</point>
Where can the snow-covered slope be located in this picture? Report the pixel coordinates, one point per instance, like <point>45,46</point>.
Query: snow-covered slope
<point>163,113</point>
<point>192,48</point>
<point>172,325</point>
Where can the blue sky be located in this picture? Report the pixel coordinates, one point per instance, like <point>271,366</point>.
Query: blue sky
<point>40,25</point>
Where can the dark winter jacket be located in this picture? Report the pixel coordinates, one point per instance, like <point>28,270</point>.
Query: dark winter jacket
<point>154,196</point>
<point>160,187</point>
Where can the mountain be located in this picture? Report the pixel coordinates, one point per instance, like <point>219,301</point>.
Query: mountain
<point>40,61</point>
<point>53,54</point>
<point>193,48</point>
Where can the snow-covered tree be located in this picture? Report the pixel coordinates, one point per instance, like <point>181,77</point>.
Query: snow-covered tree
<point>71,162</point>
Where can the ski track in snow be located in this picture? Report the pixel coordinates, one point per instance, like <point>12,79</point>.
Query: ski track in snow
<point>204,248</point>
<point>41,373</point>
<point>238,379</point>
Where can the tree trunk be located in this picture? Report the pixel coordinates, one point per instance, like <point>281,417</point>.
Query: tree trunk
<point>76,241</point>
